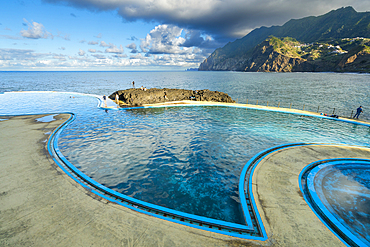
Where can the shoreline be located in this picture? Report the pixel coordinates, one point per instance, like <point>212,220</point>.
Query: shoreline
<point>41,205</point>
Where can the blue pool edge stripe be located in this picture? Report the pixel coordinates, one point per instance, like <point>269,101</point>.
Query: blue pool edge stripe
<point>57,132</point>
<point>352,239</point>
<point>52,146</point>
<point>253,163</point>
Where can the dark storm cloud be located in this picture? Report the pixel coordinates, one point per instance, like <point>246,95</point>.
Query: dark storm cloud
<point>195,38</point>
<point>222,19</point>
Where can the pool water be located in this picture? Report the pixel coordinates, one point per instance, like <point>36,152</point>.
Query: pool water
<point>341,190</point>
<point>184,158</point>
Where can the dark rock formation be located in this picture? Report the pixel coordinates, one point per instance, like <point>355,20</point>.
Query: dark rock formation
<point>138,97</point>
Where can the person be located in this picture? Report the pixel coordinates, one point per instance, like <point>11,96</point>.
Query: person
<point>133,84</point>
<point>359,110</point>
<point>105,101</point>
<point>117,98</point>
<point>142,88</point>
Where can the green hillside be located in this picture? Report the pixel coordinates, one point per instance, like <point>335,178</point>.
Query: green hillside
<point>335,25</point>
<point>290,55</point>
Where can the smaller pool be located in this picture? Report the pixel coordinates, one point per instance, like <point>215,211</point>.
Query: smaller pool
<point>339,191</point>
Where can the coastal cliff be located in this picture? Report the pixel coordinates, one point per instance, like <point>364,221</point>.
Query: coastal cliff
<point>289,55</point>
<point>335,42</point>
<point>138,97</point>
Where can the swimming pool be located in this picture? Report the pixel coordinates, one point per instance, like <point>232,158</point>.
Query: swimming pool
<point>339,191</point>
<point>186,158</point>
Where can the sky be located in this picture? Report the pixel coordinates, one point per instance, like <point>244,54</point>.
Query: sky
<point>121,35</point>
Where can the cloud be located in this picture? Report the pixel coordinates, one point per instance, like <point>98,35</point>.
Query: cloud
<point>93,43</point>
<point>22,59</point>
<point>99,36</point>
<point>10,37</point>
<point>62,48</point>
<point>63,36</point>
<point>60,57</point>
<point>7,29</point>
<point>138,56</point>
<point>133,38</point>
<point>82,41</point>
<point>221,19</point>
<point>119,55</point>
<point>81,52</point>
<point>73,15</point>
<point>35,31</point>
<point>196,38</point>
<point>170,39</point>
<point>114,49</point>
<point>163,39</point>
<point>98,56</point>
<point>169,45</point>
<point>92,50</point>
<point>133,47</point>
<point>23,55</point>
<point>103,44</point>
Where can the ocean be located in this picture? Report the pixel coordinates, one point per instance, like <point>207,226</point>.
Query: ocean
<point>323,92</point>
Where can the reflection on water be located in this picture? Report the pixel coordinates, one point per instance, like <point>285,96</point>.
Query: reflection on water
<point>46,119</point>
<point>344,190</point>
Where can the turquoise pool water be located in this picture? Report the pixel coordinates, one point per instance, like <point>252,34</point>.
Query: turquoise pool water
<point>183,158</point>
<point>339,191</point>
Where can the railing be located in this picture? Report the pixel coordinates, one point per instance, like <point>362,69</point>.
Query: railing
<point>346,113</point>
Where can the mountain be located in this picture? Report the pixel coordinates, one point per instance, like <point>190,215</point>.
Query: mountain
<point>289,55</point>
<point>335,25</point>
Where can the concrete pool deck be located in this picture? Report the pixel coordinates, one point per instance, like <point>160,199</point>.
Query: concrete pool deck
<point>42,206</point>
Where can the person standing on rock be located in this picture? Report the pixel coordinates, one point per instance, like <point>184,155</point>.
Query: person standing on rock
<point>133,84</point>
<point>117,99</point>
<point>359,110</point>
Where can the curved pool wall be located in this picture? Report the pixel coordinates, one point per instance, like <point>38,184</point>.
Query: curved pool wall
<point>338,191</point>
<point>236,230</point>
<point>253,228</point>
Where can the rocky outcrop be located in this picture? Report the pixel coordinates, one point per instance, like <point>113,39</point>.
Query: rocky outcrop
<point>138,97</point>
<point>357,60</point>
